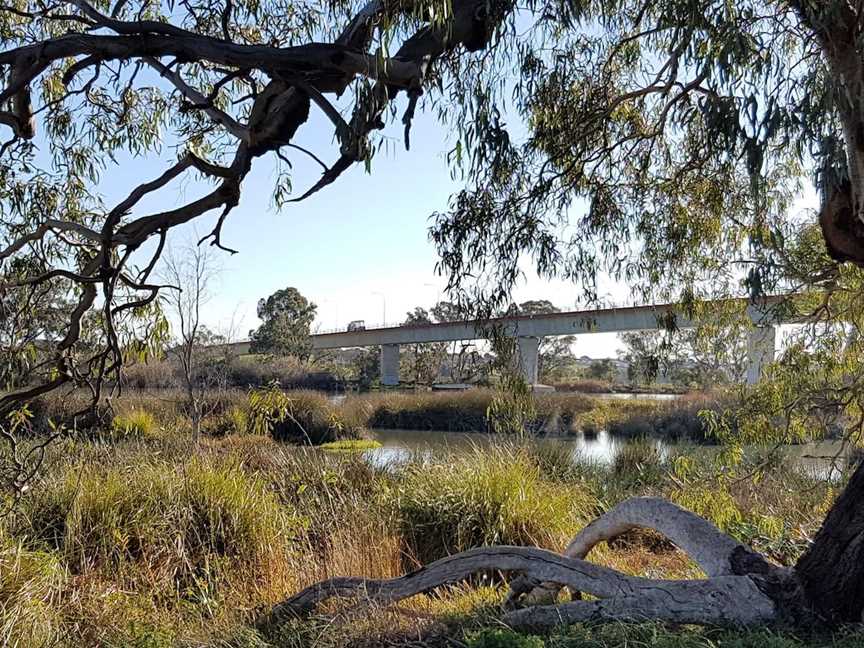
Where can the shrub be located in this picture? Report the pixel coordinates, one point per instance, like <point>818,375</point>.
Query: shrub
<point>258,370</point>
<point>298,416</point>
<point>235,420</point>
<point>555,460</point>
<point>464,412</point>
<point>153,374</point>
<point>483,498</point>
<point>677,420</point>
<point>638,462</point>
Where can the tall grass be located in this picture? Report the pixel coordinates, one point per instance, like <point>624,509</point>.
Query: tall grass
<point>481,498</point>
<point>299,416</point>
<point>309,417</point>
<point>30,583</point>
<point>151,543</point>
<point>177,524</point>
<point>462,412</point>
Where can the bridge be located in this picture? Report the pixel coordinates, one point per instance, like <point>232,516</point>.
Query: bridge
<point>528,329</point>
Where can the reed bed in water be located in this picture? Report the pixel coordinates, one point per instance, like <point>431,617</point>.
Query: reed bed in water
<point>309,417</point>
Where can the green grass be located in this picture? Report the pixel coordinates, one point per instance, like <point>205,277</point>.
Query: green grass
<point>29,582</point>
<point>651,635</point>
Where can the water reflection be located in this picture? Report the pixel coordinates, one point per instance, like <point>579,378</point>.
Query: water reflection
<point>628,396</point>
<point>824,460</point>
<point>400,445</point>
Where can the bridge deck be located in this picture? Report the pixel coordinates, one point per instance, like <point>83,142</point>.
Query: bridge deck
<point>611,320</point>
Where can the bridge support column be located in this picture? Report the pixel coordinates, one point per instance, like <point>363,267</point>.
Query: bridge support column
<point>528,357</point>
<point>760,351</point>
<point>390,365</point>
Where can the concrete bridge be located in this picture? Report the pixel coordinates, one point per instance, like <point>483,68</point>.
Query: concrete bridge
<point>528,329</point>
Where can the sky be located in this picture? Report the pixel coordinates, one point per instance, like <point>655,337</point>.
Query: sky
<point>359,248</point>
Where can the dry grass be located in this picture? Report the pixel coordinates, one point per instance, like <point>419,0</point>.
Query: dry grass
<point>152,542</point>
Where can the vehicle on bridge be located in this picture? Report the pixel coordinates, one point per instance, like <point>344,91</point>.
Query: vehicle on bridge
<point>356,325</point>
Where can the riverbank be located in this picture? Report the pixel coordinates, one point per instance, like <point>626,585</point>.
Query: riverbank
<point>309,417</point>
<point>152,542</point>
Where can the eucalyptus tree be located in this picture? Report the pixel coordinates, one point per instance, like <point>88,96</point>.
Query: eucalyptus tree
<point>666,139</point>
<point>287,318</point>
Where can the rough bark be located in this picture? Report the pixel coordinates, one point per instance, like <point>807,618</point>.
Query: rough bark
<point>724,601</point>
<point>841,215</point>
<point>831,571</point>
<point>716,553</point>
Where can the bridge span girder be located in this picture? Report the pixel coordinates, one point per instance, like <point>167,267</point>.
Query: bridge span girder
<point>761,342</point>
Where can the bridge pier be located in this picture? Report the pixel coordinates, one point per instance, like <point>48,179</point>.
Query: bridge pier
<point>760,351</point>
<point>528,357</point>
<point>390,365</point>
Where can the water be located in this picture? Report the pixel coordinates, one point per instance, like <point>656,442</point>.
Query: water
<point>824,459</point>
<point>628,396</point>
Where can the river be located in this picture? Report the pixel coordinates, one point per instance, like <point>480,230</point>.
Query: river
<point>823,459</point>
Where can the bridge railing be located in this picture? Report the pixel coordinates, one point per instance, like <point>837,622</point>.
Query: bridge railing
<point>366,327</point>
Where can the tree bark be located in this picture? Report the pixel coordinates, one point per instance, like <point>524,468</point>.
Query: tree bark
<point>825,588</point>
<point>831,571</point>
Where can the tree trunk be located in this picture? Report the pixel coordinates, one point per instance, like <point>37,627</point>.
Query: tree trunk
<point>831,572</point>
<point>742,588</point>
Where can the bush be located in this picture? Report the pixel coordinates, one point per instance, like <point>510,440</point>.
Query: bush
<point>298,417</point>
<point>586,386</point>
<point>290,373</point>
<point>638,463</point>
<point>463,412</point>
<point>484,498</point>
<point>235,420</point>
<point>678,420</point>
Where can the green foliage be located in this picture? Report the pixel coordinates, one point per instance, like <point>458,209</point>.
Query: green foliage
<point>512,409</point>
<point>351,445</point>
<point>639,461</point>
<point>601,370</point>
<point>141,636</point>
<point>501,638</point>
<point>287,317</point>
<point>655,635</point>
<point>298,416</point>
